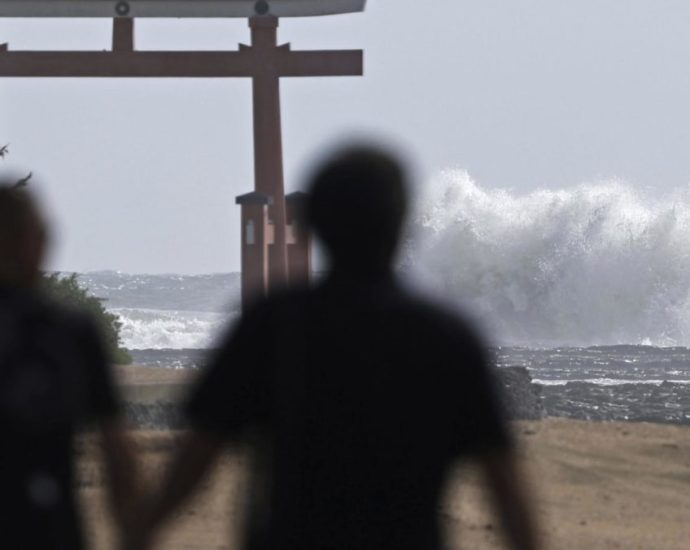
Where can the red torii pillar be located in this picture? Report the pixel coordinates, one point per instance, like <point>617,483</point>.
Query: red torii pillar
<point>275,250</point>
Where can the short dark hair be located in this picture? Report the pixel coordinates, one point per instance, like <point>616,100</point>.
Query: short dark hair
<point>357,201</point>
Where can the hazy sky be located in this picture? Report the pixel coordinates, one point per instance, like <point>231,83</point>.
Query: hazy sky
<point>141,175</point>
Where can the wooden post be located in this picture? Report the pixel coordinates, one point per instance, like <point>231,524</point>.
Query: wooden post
<point>268,143</point>
<point>123,34</point>
<point>299,239</point>
<point>257,237</point>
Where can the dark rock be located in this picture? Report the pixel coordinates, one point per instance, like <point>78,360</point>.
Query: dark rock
<point>522,398</point>
<point>159,415</point>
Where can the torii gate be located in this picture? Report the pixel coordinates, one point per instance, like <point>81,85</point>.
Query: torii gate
<point>275,250</point>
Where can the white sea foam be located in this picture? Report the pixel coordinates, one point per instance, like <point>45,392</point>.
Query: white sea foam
<point>594,264</point>
<point>158,329</point>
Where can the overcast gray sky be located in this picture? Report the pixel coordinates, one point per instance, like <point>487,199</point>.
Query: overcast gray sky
<point>141,175</point>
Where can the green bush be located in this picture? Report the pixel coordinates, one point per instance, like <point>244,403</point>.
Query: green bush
<point>66,289</point>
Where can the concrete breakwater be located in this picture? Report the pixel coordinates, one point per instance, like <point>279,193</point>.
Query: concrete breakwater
<point>158,406</point>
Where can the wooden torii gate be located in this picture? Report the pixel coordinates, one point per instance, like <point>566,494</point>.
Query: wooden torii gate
<point>275,250</point>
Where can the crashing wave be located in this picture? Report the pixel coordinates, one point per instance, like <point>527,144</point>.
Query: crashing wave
<point>595,264</point>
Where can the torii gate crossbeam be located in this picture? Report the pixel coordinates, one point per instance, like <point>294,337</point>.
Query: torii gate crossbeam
<point>125,62</point>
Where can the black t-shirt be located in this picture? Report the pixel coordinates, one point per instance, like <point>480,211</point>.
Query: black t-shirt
<point>360,397</point>
<point>53,379</point>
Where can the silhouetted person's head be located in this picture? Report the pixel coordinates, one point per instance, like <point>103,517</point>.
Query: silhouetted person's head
<point>356,205</point>
<point>22,237</point>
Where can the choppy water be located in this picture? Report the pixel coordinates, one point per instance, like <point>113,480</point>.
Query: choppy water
<point>160,312</point>
<point>633,383</point>
<point>625,383</point>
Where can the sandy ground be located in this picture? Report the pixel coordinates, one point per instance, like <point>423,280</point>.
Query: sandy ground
<point>596,486</point>
<point>127,375</point>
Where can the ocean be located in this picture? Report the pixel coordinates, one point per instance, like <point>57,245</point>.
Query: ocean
<point>587,287</point>
<point>173,321</point>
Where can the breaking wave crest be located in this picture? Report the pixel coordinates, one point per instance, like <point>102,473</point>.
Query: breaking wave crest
<point>156,329</point>
<point>598,263</point>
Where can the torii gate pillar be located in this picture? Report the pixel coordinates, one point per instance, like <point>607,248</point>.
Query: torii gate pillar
<point>268,160</point>
<point>276,248</point>
<point>299,239</point>
<point>258,238</point>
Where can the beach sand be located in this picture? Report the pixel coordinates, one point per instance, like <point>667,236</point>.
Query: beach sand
<point>596,486</point>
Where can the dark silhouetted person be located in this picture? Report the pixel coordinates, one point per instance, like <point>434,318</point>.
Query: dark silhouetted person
<point>357,396</point>
<point>53,378</point>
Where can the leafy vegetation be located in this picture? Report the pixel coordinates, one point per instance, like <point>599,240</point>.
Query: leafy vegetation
<point>67,290</point>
